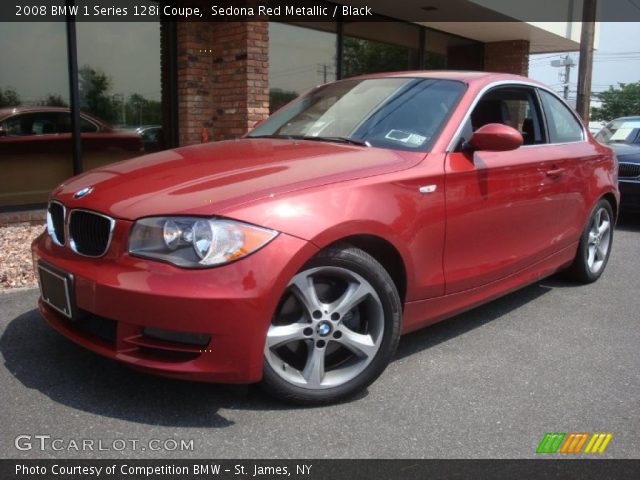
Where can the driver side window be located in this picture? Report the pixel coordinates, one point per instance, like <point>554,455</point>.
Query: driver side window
<point>516,107</point>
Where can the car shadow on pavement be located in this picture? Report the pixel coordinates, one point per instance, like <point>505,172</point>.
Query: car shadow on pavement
<point>42,359</point>
<point>460,324</point>
<point>628,222</point>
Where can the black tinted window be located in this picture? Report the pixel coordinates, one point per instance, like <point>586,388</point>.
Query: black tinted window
<point>43,123</point>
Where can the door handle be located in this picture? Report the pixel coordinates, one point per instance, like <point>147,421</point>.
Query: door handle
<point>554,172</point>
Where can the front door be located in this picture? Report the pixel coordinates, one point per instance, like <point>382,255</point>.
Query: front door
<point>504,209</point>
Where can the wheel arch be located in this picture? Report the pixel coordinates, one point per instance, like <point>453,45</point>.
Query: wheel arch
<point>611,198</point>
<point>385,253</point>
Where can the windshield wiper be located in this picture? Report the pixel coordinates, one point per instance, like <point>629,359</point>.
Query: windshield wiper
<point>286,137</point>
<point>317,138</point>
<point>351,141</point>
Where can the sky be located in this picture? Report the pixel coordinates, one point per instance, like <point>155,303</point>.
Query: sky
<point>617,59</point>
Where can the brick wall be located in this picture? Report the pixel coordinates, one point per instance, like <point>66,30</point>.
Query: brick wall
<point>510,56</point>
<point>222,77</point>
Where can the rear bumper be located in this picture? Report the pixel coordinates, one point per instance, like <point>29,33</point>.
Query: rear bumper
<point>118,296</point>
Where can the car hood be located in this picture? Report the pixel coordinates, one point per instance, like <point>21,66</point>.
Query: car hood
<point>206,179</point>
<point>626,152</point>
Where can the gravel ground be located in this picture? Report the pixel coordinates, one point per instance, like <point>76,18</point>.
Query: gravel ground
<point>15,255</point>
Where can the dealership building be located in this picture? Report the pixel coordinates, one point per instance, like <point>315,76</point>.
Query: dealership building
<point>213,80</point>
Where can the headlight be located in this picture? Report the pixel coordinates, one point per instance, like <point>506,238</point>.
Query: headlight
<point>196,242</point>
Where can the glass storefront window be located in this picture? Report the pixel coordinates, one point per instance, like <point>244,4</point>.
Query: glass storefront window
<point>371,47</point>
<point>34,96</point>
<point>119,84</point>
<point>299,58</point>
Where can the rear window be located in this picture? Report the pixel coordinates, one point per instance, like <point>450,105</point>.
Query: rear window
<point>563,126</point>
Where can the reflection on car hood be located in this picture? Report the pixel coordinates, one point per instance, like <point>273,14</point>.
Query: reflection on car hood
<point>205,179</point>
<point>626,152</point>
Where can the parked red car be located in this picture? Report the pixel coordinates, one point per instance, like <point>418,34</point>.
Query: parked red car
<point>38,139</point>
<point>298,255</point>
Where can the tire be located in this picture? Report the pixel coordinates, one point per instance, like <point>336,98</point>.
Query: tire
<point>336,329</point>
<point>595,244</point>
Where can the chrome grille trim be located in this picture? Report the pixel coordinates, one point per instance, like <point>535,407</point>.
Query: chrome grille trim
<point>73,243</point>
<point>54,227</point>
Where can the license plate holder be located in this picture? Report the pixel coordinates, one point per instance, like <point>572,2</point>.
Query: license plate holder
<point>56,289</point>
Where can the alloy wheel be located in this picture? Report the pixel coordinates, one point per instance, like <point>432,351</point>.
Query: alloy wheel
<point>327,329</point>
<point>599,240</point>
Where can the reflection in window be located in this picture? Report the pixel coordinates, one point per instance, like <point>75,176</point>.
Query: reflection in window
<point>299,58</point>
<point>33,78</point>
<point>371,47</point>
<point>122,91</point>
<point>398,113</point>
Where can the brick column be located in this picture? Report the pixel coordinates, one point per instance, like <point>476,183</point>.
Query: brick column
<point>194,63</point>
<point>240,77</point>
<point>222,77</point>
<point>511,56</point>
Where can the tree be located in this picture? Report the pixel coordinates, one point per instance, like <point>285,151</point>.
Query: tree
<point>94,87</point>
<point>54,100</point>
<point>620,101</point>
<point>9,97</point>
<point>142,111</point>
<point>279,97</point>
<point>367,56</point>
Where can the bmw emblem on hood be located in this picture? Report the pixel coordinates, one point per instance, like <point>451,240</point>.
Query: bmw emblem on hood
<point>83,193</point>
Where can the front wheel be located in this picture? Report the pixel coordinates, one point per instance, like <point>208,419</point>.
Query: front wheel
<point>595,245</point>
<point>335,330</point>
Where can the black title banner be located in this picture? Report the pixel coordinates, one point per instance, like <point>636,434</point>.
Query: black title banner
<point>314,10</point>
<point>318,469</point>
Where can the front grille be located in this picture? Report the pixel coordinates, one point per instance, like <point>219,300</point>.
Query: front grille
<point>89,232</point>
<point>629,170</point>
<point>55,222</point>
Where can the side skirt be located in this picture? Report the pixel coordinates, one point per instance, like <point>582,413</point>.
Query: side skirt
<point>421,313</point>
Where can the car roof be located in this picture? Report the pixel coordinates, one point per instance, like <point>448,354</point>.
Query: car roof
<point>35,108</point>
<point>633,117</point>
<point>465,76</point>
<point>7,111</point>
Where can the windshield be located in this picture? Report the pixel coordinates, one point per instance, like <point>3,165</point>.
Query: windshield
<point>620,131</point>
<point>399,113</point>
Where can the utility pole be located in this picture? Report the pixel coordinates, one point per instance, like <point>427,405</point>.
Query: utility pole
<point>568,63</point>
<point>585,66</point>
<point>324,71</point>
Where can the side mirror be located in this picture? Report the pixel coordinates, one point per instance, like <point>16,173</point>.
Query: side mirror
<point>495,137</point>
<point>3,132</point>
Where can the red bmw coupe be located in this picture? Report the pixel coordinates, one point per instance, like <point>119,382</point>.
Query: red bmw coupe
<point>297,255</point>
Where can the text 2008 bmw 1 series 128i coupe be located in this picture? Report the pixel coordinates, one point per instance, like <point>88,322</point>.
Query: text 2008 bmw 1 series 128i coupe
<point>297,255</point>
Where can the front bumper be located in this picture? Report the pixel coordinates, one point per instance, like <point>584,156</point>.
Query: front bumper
<point>629,195</point>
<point>119,295</point>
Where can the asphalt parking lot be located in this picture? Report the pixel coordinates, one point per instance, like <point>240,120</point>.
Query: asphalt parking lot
<point>553,357</point>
